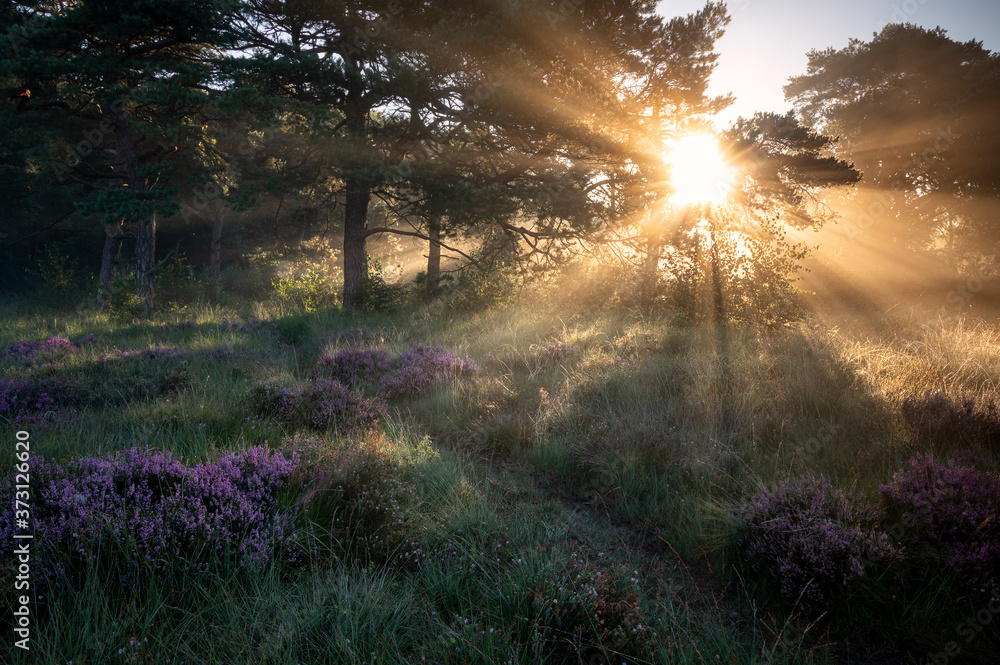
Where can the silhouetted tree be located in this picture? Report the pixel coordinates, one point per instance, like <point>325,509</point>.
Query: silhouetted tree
<point>916,112</point>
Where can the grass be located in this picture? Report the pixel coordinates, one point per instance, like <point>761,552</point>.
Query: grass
<point>620,441</point>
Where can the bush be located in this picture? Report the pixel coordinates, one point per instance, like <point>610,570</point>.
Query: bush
<point>310,290</point>
<point>249,281</point>
<point>406,375</point>
<point>58,277</point>
<point>356,366</point>
<point>811,540</point>
<point>39,352</point>
<point>378,295</point>
<point>945,517</point>
<point>492,282</point>
<point>177,285</point>
<point>323,404</point>
<point>142,511</point>
<point>590,614</point>
<point>353,493</point>
<point>423,366</point>
<point>37,401</point>
<point>310,282</point>
<point>934,418</point>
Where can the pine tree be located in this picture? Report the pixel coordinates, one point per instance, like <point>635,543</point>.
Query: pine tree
<point>130,76</point>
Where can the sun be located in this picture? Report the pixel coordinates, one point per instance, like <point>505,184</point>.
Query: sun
<point>699,173</point>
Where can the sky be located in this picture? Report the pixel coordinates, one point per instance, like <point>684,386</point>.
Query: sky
<point>767,40</point>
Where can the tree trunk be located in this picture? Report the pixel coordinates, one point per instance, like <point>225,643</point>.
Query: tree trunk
<point>145,261</point>
<point>433,257</point>
<point>719,311</point>
<point>355,252</point>
<point>359,193</point>
<point>110,257</point>
<point>145,223</point>
<point>215,250</point>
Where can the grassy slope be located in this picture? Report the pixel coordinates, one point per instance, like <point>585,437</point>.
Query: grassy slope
<point>624,448</point>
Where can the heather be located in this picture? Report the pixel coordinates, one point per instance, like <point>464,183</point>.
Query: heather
<point>593,610</point>
<point>31,400</point>
<point>420,489</point>
<point>40,351</point>
<point>935,418</point>
<point>322,404</point>
<point>405,375</point>
<point>945,517</point>
<point>355,495</point>
<point>139,512</point>
<point>811,540</point>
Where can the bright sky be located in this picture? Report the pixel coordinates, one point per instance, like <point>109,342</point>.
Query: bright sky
<point>767,40</point>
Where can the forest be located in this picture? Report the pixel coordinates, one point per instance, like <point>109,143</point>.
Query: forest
<point>407,332</point>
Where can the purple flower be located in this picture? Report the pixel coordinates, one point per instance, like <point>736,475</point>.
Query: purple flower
<point>945,516</point>
<point>936,418</point>
<point>811,539</point>
<point>25,400</point>
<point>324,404</point>
<point>147,510</point>
<point>356,366</point>
<point>407,375</point>
<point>49,350</point>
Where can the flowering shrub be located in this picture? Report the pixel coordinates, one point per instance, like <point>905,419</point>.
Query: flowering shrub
<point>48,350</point>
<point>592,613</point>
<point>356,366</point>
<point>406,375</point>
<point>25,400</point>
<point>946,518</point>
<point>934,417</point>
<point>353,493</point>
<point>324,404</point>
<point>142,510</point>
<point>810,539</point>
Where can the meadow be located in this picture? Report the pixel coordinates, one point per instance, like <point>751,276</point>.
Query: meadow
<point>529,484</point>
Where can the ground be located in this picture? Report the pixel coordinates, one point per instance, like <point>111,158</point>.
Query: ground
<point>586,470</point>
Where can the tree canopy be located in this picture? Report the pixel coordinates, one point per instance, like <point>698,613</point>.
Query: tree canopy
<point>915,110</point>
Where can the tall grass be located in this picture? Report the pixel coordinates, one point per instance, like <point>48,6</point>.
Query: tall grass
<point>645,425</point>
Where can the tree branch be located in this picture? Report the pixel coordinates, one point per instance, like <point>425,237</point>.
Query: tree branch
<point>415,234</point>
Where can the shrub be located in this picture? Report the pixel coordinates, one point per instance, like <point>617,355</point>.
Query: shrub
<point>945,516</point>
<point>353,494</point>
<point>57,277</point>
<point>29,400</point>
<point>377,294</point>
<point>810,539</point>
<point>590,614</point>
<point>935,418</point>
<point>49,350</point>
<point>310,281</point>
<point>177,285</point>
<point>312,289</point>
<point>406,375</point>
<point>323,404</point>
<point>492,281</point>
<point>142,511</point>
<point>249,281</point>
<point>423,366</point>
<point>356,366</point>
